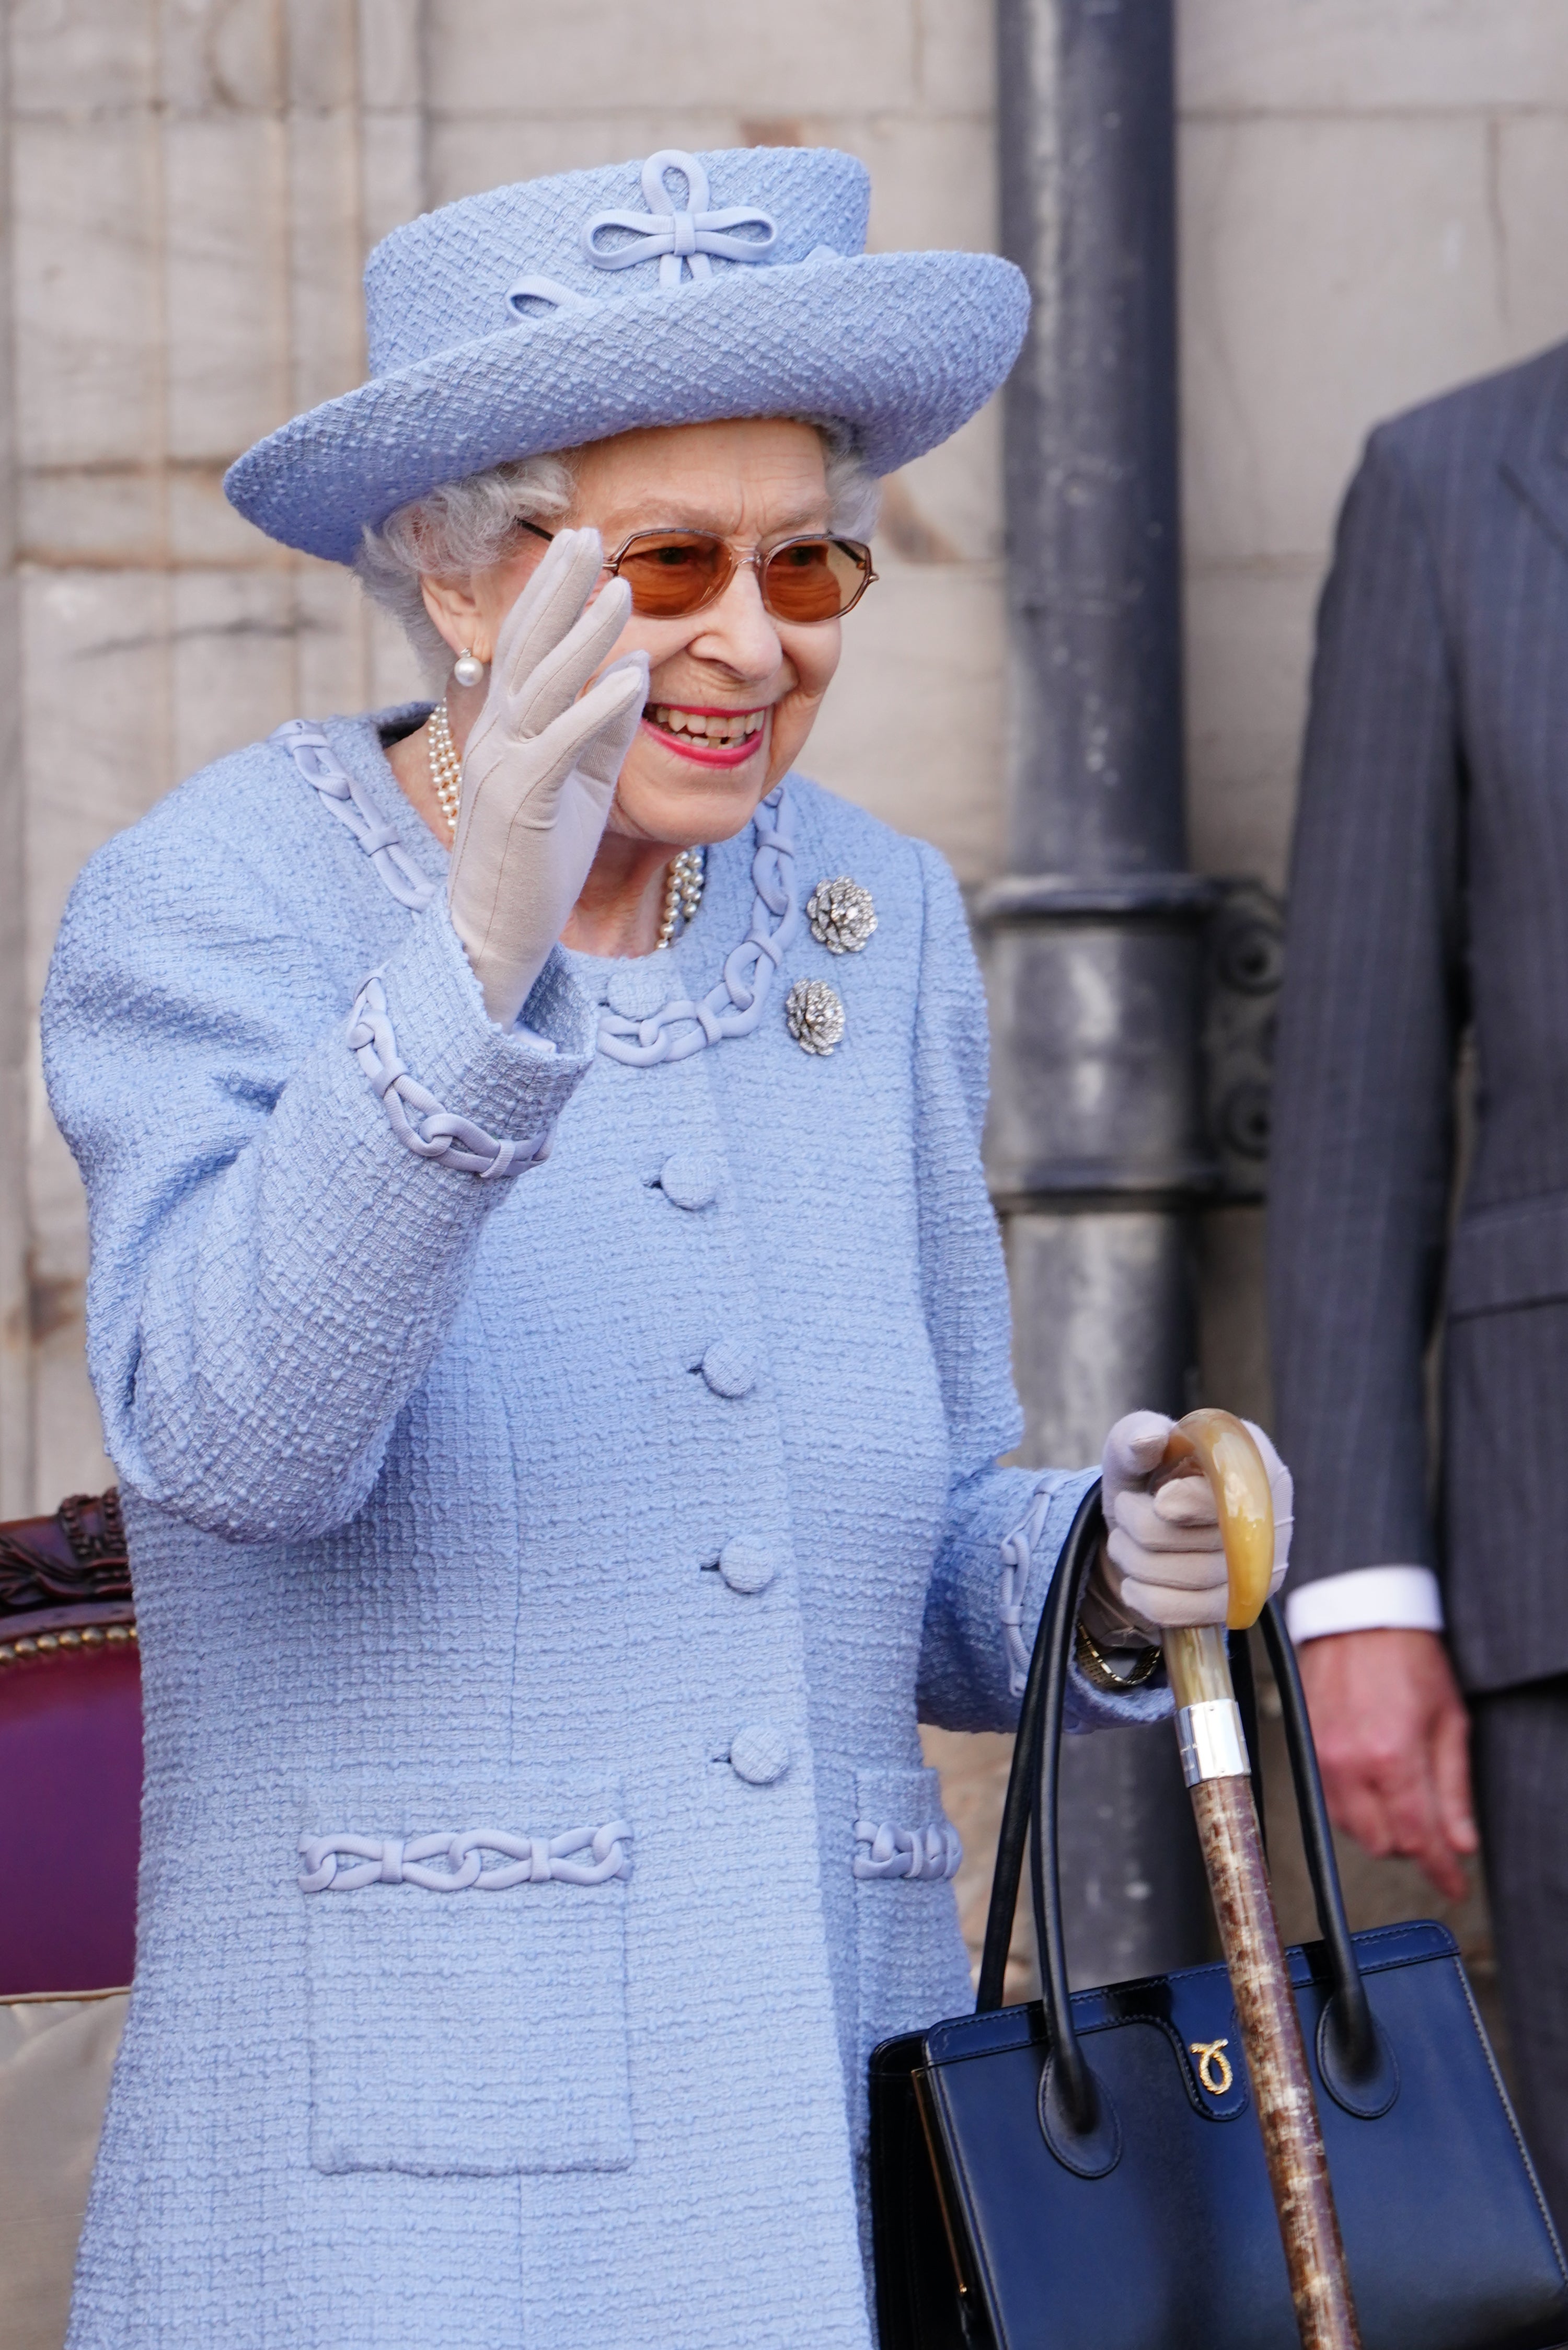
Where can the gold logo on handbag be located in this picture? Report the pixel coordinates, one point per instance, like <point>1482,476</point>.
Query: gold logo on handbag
<point>1213,2064</point>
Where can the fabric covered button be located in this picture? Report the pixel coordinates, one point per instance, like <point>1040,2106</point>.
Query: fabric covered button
<point>729,1369</point>
<point>641,988</point>
<point>746,1567</point>
<point>689,1179</point>
<point>758,1754</point>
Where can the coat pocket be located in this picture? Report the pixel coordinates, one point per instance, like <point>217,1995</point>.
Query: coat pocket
<point>466,1972</point>
<point>1514,1253</point>
<point>912,1967</point>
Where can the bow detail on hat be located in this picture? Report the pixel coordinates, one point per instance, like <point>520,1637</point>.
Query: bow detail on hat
<point>679,240</point>
<point>545,289</point>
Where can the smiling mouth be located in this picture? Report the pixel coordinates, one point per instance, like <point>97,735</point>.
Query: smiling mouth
<point>702,729</point>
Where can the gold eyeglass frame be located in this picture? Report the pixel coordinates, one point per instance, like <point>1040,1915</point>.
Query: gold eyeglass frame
<point>757,557</point>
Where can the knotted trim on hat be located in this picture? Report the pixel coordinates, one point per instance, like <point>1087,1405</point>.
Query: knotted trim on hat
<point>680,240</point>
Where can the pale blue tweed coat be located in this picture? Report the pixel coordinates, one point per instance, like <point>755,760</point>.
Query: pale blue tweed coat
<point>647,1493</point>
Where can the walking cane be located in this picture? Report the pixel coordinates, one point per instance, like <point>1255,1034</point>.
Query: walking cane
<point>1215,1765</point>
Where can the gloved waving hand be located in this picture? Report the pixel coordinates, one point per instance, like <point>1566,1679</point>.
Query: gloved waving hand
<point>539,769</point>
<point>1163,1563</point>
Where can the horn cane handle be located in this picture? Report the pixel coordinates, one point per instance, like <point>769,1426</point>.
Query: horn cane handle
<point>1214,1760</point>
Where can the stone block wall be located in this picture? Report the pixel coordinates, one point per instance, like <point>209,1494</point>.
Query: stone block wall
<point>1372,194</point>
<point>193,188</point>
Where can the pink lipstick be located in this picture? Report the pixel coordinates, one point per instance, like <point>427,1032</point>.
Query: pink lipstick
<point>710,736</point>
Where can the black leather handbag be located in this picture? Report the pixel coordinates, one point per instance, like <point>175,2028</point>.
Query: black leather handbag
<point>996,2229</point>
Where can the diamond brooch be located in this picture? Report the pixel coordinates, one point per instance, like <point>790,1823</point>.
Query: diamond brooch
<point>841,915</point>
<point>814,1014</point>
<point>842,920</point>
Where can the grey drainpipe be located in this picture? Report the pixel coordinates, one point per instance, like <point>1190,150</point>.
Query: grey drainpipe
<point>1095,942</point>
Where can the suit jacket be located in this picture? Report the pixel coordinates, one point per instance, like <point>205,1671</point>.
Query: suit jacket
<point>1429,900</point>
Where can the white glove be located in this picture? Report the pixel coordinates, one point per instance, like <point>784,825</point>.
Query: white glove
<point>539,770</point>
<point>1166,1564</point>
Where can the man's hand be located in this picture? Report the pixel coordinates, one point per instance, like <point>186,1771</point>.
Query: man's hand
<point>1393,1742</point>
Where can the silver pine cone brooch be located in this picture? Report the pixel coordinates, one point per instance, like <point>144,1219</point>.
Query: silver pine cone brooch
<point>841,915</point>
<point>814,1014</point>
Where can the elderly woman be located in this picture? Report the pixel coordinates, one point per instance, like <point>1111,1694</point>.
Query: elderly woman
<point>549,1323</point>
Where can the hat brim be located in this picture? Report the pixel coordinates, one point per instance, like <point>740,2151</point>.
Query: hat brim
<point>903,347</point>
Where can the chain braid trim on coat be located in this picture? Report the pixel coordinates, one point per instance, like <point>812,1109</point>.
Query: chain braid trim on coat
<point>307,746</point>
<point>1017,1557</point>
<point>455,1141</point>
<point>399,1860</point>
<point>930,1853</point>
<point>734,1006</point>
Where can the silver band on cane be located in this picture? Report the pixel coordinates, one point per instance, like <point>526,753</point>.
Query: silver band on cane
<point>1213,1744</point>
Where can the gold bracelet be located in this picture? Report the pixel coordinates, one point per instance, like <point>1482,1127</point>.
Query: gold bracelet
<point>1095,1667</point>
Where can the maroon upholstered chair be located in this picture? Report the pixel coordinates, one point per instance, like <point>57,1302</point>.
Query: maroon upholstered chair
<point>71,1751</point>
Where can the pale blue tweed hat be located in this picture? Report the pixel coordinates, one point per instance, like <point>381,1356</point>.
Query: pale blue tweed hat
<point>671,292</point>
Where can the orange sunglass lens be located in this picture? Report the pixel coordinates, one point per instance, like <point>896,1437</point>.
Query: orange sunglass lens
<point>812,579</point>
<point>671,573</point>
<point>675,572</point>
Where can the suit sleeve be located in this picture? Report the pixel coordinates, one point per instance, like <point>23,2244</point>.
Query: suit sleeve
<point>272,1269</point>
<point>1370,1016</point>
<point>1004,1527</point>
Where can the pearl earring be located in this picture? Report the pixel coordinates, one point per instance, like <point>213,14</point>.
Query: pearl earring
<point>468,668</point>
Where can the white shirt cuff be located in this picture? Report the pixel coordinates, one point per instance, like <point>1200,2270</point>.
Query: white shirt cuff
<point>1366,1599</point>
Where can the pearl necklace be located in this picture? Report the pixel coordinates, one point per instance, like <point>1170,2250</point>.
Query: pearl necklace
<point>446,767</point>
<point>684,885</point>
<point>682,891</point>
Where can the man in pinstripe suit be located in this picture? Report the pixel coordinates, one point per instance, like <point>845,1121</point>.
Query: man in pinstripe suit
<point>1429,907</point>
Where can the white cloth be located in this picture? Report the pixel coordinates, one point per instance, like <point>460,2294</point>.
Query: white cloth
<point>56,2058</point>
<point>1165,1564</point>
<point>539,770</point>
<point>1366,1599</point>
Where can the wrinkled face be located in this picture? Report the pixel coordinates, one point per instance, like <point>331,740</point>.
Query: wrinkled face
<point>733,691</point>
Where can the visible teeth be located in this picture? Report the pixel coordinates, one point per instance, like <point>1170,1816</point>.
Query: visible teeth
<point>723,732</point>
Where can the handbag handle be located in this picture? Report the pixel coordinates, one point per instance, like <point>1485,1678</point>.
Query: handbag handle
<point>1350,2043</point>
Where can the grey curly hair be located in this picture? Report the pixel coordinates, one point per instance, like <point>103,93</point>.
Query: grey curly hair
<point>468,525</point>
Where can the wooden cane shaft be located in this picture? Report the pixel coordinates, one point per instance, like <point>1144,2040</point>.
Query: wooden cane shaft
<point>1276,2062</point>
<point>1214,1760</point>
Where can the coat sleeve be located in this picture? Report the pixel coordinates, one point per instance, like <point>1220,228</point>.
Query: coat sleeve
<point>1004,1527</point>
<point>1362,1157</point>
<point>272,1269</point>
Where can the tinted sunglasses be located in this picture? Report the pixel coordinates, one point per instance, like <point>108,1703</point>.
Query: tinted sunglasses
<point>673,573</point>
